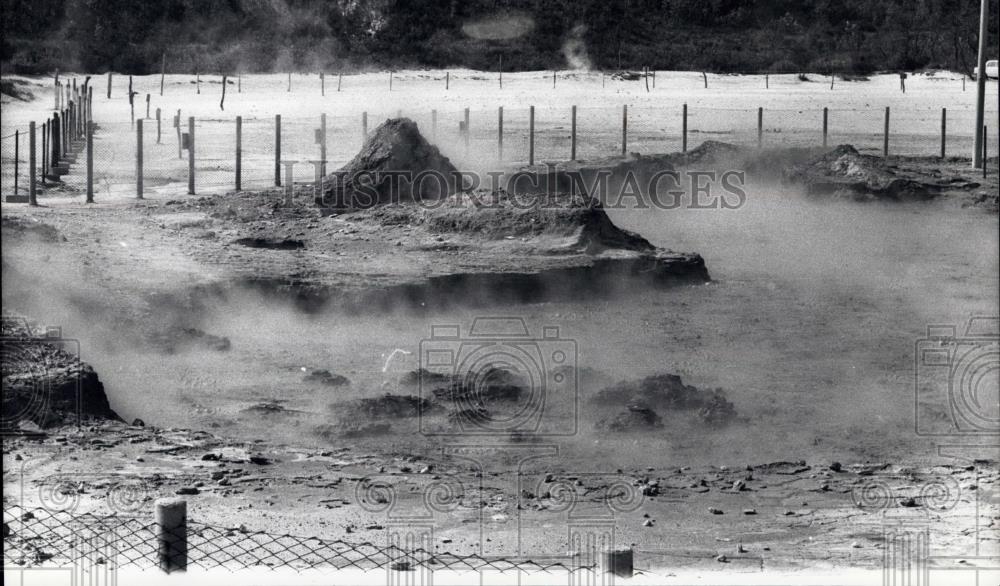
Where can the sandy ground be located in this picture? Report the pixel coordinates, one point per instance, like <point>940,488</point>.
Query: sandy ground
<point>810,325</point>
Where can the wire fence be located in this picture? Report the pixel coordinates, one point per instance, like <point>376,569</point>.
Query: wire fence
<point>40,537</point>
<point>492,139</point>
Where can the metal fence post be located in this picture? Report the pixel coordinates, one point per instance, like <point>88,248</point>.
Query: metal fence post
<point>944,130</point>
<point>32,164</point>
<point>826,125</point>
<point>90,162</point>
<point>277,150</point>
<point>190,155</point>
<point>572,133</point>
<point>500,133</point>
<point>138,158</point>
<point>684,130</point>
<point>171,534</point>
<point>885,138</point>
<point>239,153</point>
<point>531,136</point>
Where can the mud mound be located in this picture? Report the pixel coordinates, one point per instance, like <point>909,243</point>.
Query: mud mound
<point>396,164</point>
<point>388,406</point>
<point>44,381</point>
<point>844,172</point>
<point>181,339</point>
<point>579,223</point>
<point>710,151</point>
<point>635,418</point>
<point>325,377</point>
<point>668,391</point>
<point>422,376</point>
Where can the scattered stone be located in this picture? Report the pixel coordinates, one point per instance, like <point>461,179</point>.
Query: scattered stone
<point>836,467</point>
<point>187,490</point>
<point>714,511</point>
<point>749,511</point>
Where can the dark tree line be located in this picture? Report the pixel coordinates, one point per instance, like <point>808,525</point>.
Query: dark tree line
<point>835,36</point>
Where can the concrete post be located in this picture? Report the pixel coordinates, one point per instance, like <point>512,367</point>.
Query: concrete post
<point>171,534</point>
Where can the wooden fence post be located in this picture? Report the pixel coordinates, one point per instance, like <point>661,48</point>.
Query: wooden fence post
<point>767,81</point>
<point>138,158</point>
<point>197,82</point>
<point>500,69</point>
<point>191,155</point>
<point>163,70</point>
<point>32,166</point>
<point>56,136</point>
<point>944,130</point>
<point>986,152</point>
<point>289,81</point>
<point>500,133</point>
<point>434,124</point>
<point>447,79</point>
<point>467,131</point>
<point>885,139</point>
<point>364,127</point>
<point>17,159</point>
<point>322,144</point>
<point>277,150</point>
<point>45,150</point>
<point>239,153</point>
<point>177,125</point>
<point>322,84</point>
<point>159,127</point>
<point>760,127</point>
<point>624,129</point>
<point>531,136</point>
<point>171,534</point>
<point>390,80</point>
<point>90,162</point>
<point>340,77</point>
<point>109,85</point>
<point>147,106</point>
<point>572,135</point>
<point>239,82</point>
<point>222,102</point>
<point>705,77</point>
<point>826,125</point>
<point>684,130</point>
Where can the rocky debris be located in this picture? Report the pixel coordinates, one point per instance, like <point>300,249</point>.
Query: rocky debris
<point>395,164</point>
<point>325,377</point>
<point>388,406</point>
<point>184,339</point>
<point>491,385</point>
<point>667,391</point>
<point>44,383</point>
<point>636,417</point>
<point>844,172</point>
<point>270,243</point>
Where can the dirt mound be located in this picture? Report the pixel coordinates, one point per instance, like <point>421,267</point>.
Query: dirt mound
<point>844,172</point>
<point>396,164</point>
<point>44,381</point>
<point>388,406</point>
<point>636,417</point>
<point>710,151</point>
<point>668,391</point>
<point>325,377</point>
<point>579,223</point>
<point>180,339</point>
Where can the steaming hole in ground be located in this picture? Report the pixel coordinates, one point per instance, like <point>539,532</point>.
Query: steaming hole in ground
<point>809,327</point>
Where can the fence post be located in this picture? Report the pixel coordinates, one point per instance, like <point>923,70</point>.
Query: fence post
<point>222,102</point>
<point>364,127</point>
<point>684,130</point>
<point>531,136</point>
<point>322,84</point>
<point>171,534</point>
<point>826,125</point>
<point>572,135</point>
<point>17,158</point>
<point>159,128</point>
<point>147,106</point>
<point>885,139</point>
<point>500,133</point>
<point>239,82</point>
<point>447,79</point>
<point>624,129</point>
<point>944,130</point>
<point>197,82</point>
<point>56,136</point>
<point>177,125</point>
<point>191,155</point>
<point>760,127</point>
<point>434,124</point>
<point>277,150</point>
<point>32,164</point>
<point>322,144</point>
<point>163,70</point>
<point>109,85</point>
<point>985,149</point>
<point>340,77</point>
<point>467,131</point>
<point>289,81</point>
<point>90,162</point>
<point>138,158</point>
<point>239,153</point>
<point>45,150</point>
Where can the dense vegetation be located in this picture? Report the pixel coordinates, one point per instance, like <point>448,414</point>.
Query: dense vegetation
<point>847,36</point>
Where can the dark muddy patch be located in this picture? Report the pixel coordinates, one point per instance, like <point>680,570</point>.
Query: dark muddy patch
<point>271,243</point>
<point>325,377</point>
<point>181,339</point>
<point>668,392</point>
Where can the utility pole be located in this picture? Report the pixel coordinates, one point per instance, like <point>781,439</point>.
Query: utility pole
<point>977,156</point>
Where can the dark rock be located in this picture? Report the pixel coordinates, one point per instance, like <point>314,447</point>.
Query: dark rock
<point>271,243</point>
<point>187,490</point>
<point>422,376</point>
<point>138,422</point>
<point>667,391</point>
<point>386,406</point>
<point>634,418</point>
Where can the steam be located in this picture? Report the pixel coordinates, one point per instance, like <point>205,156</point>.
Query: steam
<point>575,49</point>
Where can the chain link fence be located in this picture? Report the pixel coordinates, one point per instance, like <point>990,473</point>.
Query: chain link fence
<point>39,537</point>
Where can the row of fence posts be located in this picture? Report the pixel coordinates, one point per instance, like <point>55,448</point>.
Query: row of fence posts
<point>61,136</point>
